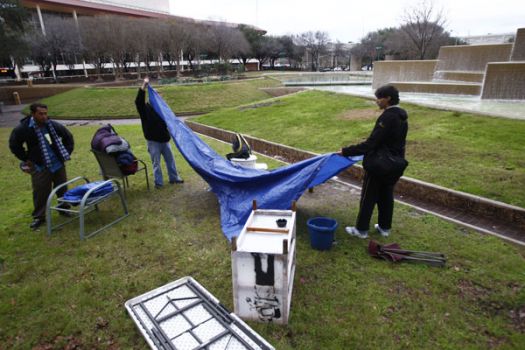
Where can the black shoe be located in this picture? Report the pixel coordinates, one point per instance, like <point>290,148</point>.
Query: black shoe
<point>37,222</point>
<point>64,214</point>
<point>178,180</point>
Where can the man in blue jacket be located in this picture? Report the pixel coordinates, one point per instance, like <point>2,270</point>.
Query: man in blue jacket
<point>43,146</point>
<point>158,138</point>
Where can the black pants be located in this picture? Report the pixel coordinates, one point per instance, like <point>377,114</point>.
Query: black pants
<point>375,191</point>
<point>43,183</point>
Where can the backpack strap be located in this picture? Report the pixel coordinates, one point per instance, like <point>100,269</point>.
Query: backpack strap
<point>237,143</point>
<point>245,143</point>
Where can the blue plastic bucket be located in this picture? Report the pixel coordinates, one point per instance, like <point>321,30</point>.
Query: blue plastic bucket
<point>321,232</point>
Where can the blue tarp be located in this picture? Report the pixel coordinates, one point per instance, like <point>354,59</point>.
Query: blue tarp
<point>236,187</point>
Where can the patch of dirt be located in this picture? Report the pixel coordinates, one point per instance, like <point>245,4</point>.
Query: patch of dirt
<point>518,318</point>
<point>469,290</point>
<point>258,105</point>
<point>61,342</point>
<point>281,91</point>
<point>361,114</point>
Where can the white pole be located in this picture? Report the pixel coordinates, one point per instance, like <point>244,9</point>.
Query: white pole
<point>83,60</point>
<point>17,69</point>
<point>41,19</point>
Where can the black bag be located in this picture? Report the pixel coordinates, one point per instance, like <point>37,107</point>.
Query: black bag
<point>382,163</point>
<point>241,148</point>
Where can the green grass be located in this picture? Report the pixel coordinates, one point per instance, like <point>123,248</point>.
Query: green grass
<point>93,103</point>
<point>58,291</point>
<point>475,154</point>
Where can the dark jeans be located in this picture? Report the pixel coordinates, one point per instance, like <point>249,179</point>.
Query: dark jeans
<point>43,183</point>
<point>374,192</point>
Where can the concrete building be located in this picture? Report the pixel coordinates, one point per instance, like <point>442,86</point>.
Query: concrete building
<point>42,10</point>
<point>488,39</point>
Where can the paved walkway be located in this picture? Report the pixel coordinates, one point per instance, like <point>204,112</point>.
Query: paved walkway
<point>12,114</point>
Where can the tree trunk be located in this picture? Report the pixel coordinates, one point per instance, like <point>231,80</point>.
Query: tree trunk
<point>137,57</point>
<point>99,70</point>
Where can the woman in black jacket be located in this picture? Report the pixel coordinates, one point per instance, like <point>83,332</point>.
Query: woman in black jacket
<point>389,132</point>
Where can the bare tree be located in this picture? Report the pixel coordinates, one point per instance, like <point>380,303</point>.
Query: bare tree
<point>93,31</point>
<point>39,51</point>
<point>13,28</point>
<point>195,43</point>
<point>138,32</point>
<point>260,50</point>
<point>423,24</point>
<point>275,49</point>
<point>341,55</point>
<point>255,38</point>
<point>176,40</point>
<point>117,45</point>
<point>294,50</point>
<point>316,45</point>
<point>225,41</point>
<point>59,44</point>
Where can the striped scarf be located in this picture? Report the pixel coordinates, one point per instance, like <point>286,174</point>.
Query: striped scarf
<point>56,140</point>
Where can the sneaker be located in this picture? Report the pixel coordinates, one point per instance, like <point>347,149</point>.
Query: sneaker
<point>177,180</point>
<point>64,213</point>
<point>382,232</point>
<point>352,231</point>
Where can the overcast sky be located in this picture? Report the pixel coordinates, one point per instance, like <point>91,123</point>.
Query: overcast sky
<point>347,20</point>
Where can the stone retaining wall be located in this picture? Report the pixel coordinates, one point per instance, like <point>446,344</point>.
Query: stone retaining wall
<point>30,94</point>
<point>406,187</point>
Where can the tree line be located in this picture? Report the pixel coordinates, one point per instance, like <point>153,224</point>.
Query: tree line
<point>143,44</point>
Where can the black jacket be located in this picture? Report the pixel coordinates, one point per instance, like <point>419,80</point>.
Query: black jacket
<point>389,131</point>
<point>23,142</point>
<point>153,127</point>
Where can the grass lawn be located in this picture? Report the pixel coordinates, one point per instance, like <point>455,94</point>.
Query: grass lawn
<point>59,292</point>
<point>95,103</point>
<point>475,154</point>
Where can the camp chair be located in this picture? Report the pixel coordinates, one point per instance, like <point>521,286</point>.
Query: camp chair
<point>87,204</point>
<point>393,252</point>
<point>110,169</point>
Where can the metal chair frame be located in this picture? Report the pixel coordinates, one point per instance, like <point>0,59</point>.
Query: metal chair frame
<point>86,206</point>
<point>110,169</point>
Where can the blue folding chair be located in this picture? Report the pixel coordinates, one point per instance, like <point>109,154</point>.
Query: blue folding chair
<point>86,204</point>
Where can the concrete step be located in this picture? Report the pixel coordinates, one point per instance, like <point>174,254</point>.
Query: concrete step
<point>456,88</point>
<point>458,76</point>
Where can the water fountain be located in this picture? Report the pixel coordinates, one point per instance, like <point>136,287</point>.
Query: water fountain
<point>495,71</point>
<point>325,78</point>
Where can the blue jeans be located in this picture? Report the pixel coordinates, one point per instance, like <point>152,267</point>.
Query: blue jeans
<point>156,149</point>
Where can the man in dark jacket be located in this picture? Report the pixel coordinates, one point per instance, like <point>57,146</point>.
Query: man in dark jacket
<point>43,146</point>
<point>389,132</point>
<point>158,138</point>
